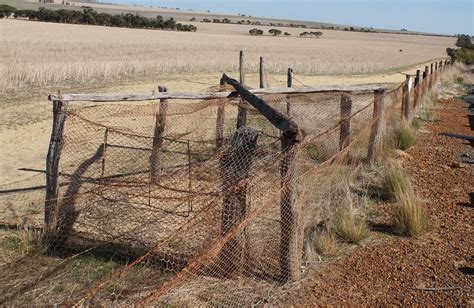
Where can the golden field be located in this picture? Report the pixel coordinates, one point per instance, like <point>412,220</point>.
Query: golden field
<point>40,58</point>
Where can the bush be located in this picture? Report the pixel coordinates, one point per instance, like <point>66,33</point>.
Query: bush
<point>274,32</point>
<point>349,226</point>
<point>409,218</point>
<point>256,32</point>
<point>404,138</point>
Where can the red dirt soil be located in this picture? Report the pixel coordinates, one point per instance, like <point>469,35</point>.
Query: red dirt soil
<point>400,271</point>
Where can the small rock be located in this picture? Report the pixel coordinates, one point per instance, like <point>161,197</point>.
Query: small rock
<point>457,165</point>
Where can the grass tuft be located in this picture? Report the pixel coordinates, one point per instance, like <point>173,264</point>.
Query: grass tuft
<point>409,218</point>
<point>394,180</point>
<point>404,138</point>
<point>349,226</point>
<point>327,245</point>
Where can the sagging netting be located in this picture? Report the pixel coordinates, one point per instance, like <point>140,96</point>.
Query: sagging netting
<point>221,211</point>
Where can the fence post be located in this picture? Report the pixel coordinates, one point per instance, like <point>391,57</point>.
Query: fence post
<point>417,87</point>
<point>376,130</point>
<point>291,238</point>
<point>425,82</point>
<point>431,77</point>
<point>289,84</point>
<point>406,101</point>
<point>220,119</point>
<point>60,109</point>
<point>345,127</point>
<point>242,109</point>
<point>106,136</point>
<point>234,170</point>
<point>160,123</point>
<point>263,83</point>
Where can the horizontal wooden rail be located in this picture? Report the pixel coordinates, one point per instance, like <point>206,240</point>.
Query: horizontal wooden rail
<point>368,88</point>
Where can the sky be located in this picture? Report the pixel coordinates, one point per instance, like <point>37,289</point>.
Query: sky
<point>435,16</point>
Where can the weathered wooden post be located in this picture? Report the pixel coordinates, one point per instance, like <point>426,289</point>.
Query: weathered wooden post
<point>440,66</point>
<point>377,124</point>
<point>263,82</point>
<point>289,84</point>
<point>417,87</point>
<point>425,82</point>
<point>242,109</point>
<point>160,123</point>
<point>234,170</point>
<point>291,234</point>
<point>406,101</point>
<point>431,78</point>
<point>60,109</point>
<point>220,119</point>
<point>345,126</point>
<point>104,156</point>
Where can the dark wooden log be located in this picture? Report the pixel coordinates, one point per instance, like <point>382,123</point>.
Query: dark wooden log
<point>280,121</point>
<point>291,226</point>
<point>406,116</point>
<point>220,120</point>
<point>417,90</point>
<point>60,109</point>
<point>235,166</point>
<point>345,127</point>
<point>160,124</point>
<point>424,83</point>
<point>376,130</point>
<point>289,84</point>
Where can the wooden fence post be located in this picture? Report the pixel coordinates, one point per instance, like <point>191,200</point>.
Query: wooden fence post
<point>220,120</point>
<point>406,101</point>
<point>104,156</point>
<point>263,82</point>
<point>242,109</point>
<point>425,82</point>
<point>60,109</point>
<point>345,127</point>
<point>234,170</point>
<point>289,84</point>
<point>431,77</point>
<point>417,87</point>
<point>160,123</point>
<point>291,234</point>
<point>376,130</point>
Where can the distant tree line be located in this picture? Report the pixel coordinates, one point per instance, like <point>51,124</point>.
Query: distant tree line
<point>311,34</point>
<point>87,16</point>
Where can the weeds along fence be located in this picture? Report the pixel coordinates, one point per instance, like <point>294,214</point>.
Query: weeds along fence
<point>220,190</point>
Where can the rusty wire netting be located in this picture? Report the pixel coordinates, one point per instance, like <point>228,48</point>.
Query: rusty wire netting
<point>222,213</point>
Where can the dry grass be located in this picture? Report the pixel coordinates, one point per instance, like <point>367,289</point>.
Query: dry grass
<point>327,245</point>
<point>350,225</point>
<point>409,218</point>
<point>40,54</point>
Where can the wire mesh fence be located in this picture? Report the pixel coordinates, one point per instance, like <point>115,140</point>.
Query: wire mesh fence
<point>223,213</point>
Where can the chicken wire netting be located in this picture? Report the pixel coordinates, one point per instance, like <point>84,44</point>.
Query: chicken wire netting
<point>222,214</point>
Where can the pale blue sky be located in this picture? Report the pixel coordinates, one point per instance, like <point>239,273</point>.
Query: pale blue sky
<point>437,16</point>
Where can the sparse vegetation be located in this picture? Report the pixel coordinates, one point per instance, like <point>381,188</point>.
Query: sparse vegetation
<point>409,218</point>
<point>275,32</point>
<point>326,244</point>
<point>393,181</point>
<point>256,32</point>
<point>350,226</point>
<point>312,34</point>
<point>404,138</point>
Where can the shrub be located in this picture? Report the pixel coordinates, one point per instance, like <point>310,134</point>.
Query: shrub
<point>404,138</point>
<point>326,244</point>
<point>349,226</point>
<point>274,32</point>
<point>256,32</point>
<point>409,218</point>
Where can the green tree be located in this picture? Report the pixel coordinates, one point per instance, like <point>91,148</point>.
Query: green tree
<point>274,32</point>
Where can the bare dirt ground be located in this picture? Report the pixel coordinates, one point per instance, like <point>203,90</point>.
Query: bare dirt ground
<point>435,269</point>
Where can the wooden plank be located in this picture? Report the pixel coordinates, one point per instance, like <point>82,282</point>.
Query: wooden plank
<point>235,166</point>
<point>376,130</point>
<point>280,121</point>
<point>367,88</point>
<point>160,124</point>
<point>60,109</point>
